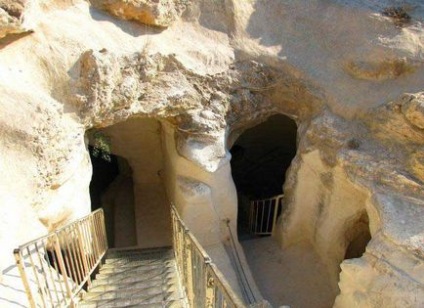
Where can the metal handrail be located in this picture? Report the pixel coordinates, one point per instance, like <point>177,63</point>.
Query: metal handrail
<point>204,284</point>
<point>263,215</point>
<point>248,293</point>
<point>54,268</point>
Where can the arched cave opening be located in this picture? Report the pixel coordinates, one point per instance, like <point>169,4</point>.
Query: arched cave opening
<point>260,159</point>
<point>357,237</point>
<point>130,187</point>
<point>111,188</point>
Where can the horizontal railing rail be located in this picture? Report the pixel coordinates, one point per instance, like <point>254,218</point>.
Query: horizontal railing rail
<point>264,214</point>
<point>54,268</point>
<point>204,284</point>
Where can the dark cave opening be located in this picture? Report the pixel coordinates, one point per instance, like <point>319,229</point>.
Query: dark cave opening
<point>358,237</point>
<point>104,172</point>
<point>111,188</point>
<point>260,159</point>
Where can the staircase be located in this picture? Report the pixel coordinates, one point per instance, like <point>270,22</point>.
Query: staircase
<point>136,278</point>
<point>56,267</point>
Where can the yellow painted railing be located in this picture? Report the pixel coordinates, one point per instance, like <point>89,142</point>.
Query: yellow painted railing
<point>54,268</point>
<point>204,284</point>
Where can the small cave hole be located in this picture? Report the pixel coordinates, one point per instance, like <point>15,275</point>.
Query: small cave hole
<point>358,237</point>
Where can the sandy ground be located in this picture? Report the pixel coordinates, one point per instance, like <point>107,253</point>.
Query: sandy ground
<point>294,277</point>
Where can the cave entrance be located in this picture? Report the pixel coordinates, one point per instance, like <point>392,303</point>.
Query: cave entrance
<point>111,188</point>
<point>130,188</point>
<point>260,158</point>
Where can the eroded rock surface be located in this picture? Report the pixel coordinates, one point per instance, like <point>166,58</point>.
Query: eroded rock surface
<point>350,76</point>
<point>11,17</point>
<point>160,13</point>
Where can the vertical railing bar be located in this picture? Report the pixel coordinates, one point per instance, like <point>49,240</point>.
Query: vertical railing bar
<point>269,216</point>
<point>56,264</point>
<point>252,205</point>
<point>255,223</point>
<point>75,255</point>
<point>86,246</point>
<point>69,260</point>
<point>20,261</point>
<point>92,234</point>
<point>61,242</point>
<point>51,275</point>
<point>276,209</point>
<point>104,235</point>
<point>82,252</point>
<point>89,253</point>
<point>44,275</point>
<point>63,270</point>
<point>97,236</point>
<point>90,239</point>
<point>79,252</point>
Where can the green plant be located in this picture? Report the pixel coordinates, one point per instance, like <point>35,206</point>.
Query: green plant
<point>101,144</point>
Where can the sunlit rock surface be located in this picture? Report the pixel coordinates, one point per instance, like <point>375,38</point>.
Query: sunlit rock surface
<point>349,72</point>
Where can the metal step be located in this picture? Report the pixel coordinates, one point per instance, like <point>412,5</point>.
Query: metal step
<point>134,266</point>
<point>143,271</point>
<point>144,254</point>
<point>163,304</point>
<point>133,262</point>
<point>136,278</point>
<point>134,300</point>
<point>137,285</point>
<point>153,290</point>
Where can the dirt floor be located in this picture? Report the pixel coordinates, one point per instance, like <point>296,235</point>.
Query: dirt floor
<point>294,277</point>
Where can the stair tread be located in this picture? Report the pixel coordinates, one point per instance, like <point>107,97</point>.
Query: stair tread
<point>132,300</point>
<point>128,280</point>
<point>133,262</point>
<point>135,267</point>
<point>139,284</point>
<point>136,278</point>
<point>164,304</point>
<point>136,293</point>
<point>147,254</point>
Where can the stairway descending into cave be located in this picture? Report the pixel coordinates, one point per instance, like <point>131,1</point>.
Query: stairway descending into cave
<point>136,278</point>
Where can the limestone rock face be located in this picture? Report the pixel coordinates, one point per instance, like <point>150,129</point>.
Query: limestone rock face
<point>413,110</point>
<point>160,13</point>
<point>11,16</point>
<point>350,76</point>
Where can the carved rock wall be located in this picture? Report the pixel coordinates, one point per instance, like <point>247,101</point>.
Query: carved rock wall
<point>340,71</point>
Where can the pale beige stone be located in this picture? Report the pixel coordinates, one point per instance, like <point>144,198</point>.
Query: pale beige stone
<point>217,70</point>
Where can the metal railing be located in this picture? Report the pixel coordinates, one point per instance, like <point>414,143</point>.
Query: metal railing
<point>54,268</point>
<point>248,293</point>
<point>263,215</point>
<point>205,285</point>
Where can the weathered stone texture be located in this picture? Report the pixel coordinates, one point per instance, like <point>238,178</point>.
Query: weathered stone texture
<point>160,13</point>
<point>11,16</point>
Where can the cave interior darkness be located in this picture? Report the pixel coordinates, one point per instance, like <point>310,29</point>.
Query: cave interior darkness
<point>260,159</point>
<point>111,188</point>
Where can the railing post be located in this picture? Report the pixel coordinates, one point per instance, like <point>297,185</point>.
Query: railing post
<point>20,265</point>
<point>188,266</point>
<point>62,267</point>
<point>209,286</point>
<point>83,256</point>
